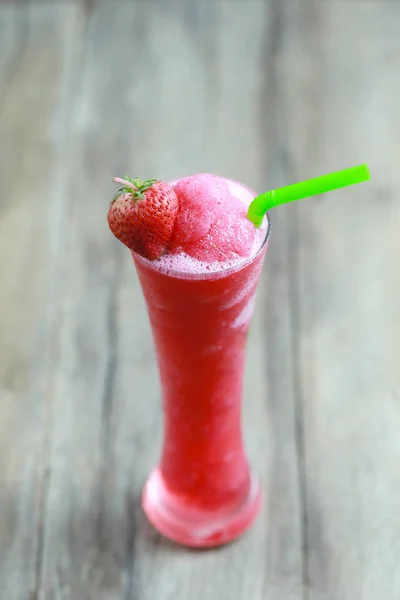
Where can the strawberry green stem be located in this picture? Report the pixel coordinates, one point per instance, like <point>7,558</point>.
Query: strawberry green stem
<point>125,182</point>
<point>135,186</point>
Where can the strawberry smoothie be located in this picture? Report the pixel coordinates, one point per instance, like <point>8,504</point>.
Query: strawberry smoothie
<point>200,296</point>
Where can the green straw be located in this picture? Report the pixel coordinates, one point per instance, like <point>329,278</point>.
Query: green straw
<point>326,183</point>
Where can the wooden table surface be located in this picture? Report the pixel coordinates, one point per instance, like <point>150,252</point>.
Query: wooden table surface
<point>267,92</point>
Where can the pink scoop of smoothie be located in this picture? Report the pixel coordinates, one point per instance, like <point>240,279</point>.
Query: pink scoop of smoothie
<point>211,224</point>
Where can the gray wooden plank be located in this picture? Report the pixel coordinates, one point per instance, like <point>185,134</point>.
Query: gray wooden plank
<point>88,529</point>
<point>285,550</point>
<point>13,32</point>
<point>31,166</point>
<point>160,95</point>
<point>347,292</point>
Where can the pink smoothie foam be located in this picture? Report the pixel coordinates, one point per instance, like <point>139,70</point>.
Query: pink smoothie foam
<point>212,232</point>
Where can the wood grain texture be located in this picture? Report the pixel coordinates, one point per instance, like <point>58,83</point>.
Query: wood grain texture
<point>31,162</point>
<point>343,60</point>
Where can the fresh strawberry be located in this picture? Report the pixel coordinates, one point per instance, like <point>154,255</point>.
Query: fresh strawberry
<point>142,215</point>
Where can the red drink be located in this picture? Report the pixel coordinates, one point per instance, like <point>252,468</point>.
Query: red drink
<point>202,493</point>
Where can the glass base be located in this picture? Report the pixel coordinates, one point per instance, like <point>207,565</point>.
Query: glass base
<point>185,524</point>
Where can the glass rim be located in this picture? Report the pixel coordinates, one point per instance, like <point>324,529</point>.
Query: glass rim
<point>207,274</point>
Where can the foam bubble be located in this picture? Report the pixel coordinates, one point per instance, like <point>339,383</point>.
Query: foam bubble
<point>241,192</point>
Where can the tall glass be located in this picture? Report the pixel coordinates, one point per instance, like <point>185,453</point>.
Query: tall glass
<point>202,493</point>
